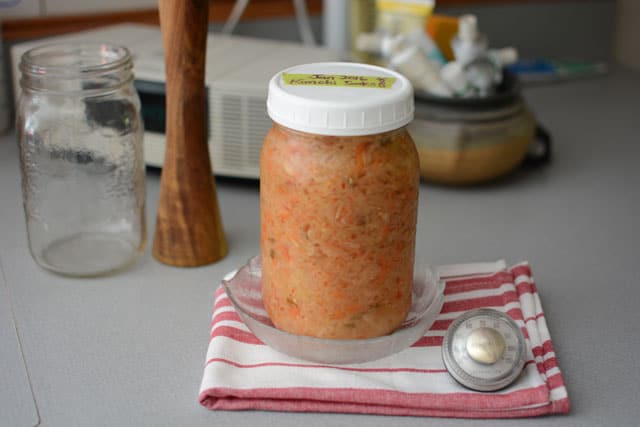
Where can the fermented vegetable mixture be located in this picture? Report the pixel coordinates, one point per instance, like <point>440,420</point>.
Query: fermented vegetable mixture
<point>338,220</point>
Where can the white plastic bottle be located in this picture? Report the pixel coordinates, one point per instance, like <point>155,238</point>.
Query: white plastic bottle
<point>387,45</point>
<point>485,72</point>
<point>481,75</point>
<point>421,39</point>
<point>455,78</point>
<point>503,56</point>
<point>468,44</point>
<point>414,65</point>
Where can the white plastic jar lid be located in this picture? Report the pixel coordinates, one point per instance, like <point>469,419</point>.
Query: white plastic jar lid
<point>340,98</point>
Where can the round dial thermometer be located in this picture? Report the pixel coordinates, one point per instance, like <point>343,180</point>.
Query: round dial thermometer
<point>484,350</point>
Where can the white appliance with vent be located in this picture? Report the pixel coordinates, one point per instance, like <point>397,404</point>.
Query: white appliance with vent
<point>238,70</point>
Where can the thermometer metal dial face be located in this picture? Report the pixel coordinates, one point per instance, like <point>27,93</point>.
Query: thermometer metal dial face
<point>484,350</point>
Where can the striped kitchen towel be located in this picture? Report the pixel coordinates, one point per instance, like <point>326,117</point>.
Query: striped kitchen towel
<point>242,373</point>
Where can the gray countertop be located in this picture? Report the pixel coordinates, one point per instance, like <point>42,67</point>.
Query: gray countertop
<point>129,349</point>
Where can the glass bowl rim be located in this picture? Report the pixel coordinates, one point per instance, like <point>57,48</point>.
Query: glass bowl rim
<point>436,299</point>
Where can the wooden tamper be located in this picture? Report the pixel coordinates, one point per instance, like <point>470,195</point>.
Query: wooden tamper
<point>189,227</point>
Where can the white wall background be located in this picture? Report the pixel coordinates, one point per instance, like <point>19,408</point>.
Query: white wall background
<point>576,28</point>
<point>581,29</point>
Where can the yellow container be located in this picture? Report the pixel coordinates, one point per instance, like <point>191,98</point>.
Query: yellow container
<point>402,16</point>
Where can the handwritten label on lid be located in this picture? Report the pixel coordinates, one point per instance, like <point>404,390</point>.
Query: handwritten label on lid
<point>367,82</point>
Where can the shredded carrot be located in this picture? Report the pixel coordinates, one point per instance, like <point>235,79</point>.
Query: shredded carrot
<point>347,311</point>
<point>383,271</point>
<point>360,162</point>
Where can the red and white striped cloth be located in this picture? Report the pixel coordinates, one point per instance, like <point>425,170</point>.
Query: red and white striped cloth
<point>242,373</point>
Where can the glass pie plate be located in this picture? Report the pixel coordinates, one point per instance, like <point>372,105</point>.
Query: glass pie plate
<point>244,286</point>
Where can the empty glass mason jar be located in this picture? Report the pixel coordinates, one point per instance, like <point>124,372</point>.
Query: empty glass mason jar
<point>83,180</point>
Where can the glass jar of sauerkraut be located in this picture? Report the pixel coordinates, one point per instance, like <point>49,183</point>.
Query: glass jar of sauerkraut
<point>339,178</point>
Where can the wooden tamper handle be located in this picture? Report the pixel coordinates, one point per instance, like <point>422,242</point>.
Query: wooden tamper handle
<point>189,227</point>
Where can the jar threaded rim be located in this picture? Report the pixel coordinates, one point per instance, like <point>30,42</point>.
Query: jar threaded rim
<point>83,61</point>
